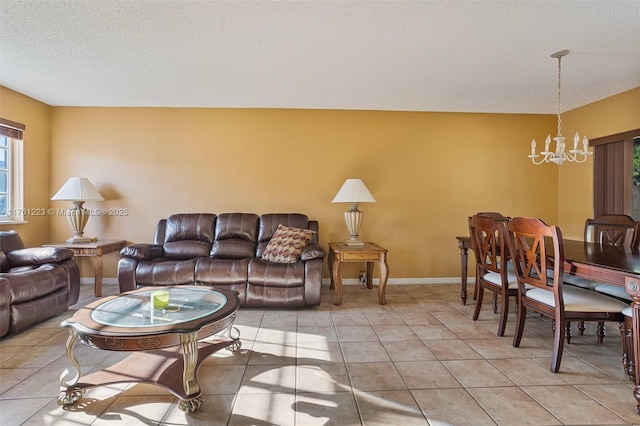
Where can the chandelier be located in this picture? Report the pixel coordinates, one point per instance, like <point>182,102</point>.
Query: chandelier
<point>559,155</point>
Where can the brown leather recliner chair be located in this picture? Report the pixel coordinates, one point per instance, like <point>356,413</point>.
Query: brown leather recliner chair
<point>35,283</point>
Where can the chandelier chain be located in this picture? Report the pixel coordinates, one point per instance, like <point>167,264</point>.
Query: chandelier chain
<point>559,107</point>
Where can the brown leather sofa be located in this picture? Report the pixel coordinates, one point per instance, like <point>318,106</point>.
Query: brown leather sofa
<point>35,283</point>
<point>225,251</point>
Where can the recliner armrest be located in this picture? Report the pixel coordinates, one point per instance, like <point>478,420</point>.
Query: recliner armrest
<point>38,256</point>
<point>312,251</point>
<point>142,251</point>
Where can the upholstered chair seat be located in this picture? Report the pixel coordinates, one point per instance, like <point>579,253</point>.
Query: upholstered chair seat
<point>494,277</point>
<point>613,290</point>
<point>577,299</point>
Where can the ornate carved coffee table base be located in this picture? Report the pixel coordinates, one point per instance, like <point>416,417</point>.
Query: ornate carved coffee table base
<point>164,355</point>
<point>163,367</point>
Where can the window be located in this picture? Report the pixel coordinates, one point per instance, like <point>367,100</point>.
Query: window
<point>11,166</point>
<point>616,174</point>
<point>635,210</point>
<point>5,178</point>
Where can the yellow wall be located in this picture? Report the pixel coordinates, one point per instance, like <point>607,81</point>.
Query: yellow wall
<point>612,115</point>
<point>428,171</point>
<point>37,161</point>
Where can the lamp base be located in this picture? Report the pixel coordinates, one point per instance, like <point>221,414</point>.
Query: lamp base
<point>353,219</point>
<point>354,243</point>
<point>79,240</point>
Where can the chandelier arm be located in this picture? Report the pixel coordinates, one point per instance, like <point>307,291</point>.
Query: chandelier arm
<point>537,163</point>
<point>584,158</point>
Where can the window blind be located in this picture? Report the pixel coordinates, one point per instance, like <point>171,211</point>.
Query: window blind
<point>11,129</point>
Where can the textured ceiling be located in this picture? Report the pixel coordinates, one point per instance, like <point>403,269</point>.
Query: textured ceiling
<point>472,56</point>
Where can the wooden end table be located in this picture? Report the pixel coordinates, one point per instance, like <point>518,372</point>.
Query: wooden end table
<point>340,253</point>
<point>93,249</point>
<point>167,345</point>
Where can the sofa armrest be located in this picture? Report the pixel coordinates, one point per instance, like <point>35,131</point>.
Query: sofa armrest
<point>142,251</point>
<point>38,256</point>
<point>312,251</point>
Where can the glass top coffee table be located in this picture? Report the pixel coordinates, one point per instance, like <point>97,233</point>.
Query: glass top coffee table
<point>131,322</point>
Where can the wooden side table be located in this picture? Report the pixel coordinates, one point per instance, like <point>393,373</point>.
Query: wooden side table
<point>340,253</point>
<point>93,249</point>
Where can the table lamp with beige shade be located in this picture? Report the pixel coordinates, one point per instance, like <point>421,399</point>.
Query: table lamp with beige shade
<point>78,190</point>
<point>353,191</point>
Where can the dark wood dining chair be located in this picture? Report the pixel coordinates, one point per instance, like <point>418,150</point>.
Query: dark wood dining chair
<point>615,230</point>
<point>612,229</point>
<point>499,217</point>
<point>534,246</point>
<point>622,231</point>
<point>609,229</point>
<point>491,253</point>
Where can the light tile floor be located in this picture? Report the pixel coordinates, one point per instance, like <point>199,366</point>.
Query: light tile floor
<point>418,360</point>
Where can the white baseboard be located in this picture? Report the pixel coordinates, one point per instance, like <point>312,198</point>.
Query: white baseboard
<point>391,281</point>
<point>89,281</point>
<point>347,281</point>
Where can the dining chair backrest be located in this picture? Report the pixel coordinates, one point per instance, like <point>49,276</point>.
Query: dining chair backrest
<point>493,273</point>
<point>530,242</point>
<point>489,244</point>
<point>495,215</point>
<point>613,229</point>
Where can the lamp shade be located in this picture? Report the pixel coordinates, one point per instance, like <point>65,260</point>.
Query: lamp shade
<point>78,189</point>
<point>353,191</point>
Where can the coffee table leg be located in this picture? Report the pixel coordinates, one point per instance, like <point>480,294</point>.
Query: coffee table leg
<point>70,397</point>
<point>234,334</point>
<point>189,343</point>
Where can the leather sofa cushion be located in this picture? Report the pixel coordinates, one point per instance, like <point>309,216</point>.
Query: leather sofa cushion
<point>243,226</point>
<point>38,256</point>
<point>189,235</point>
<point>269,274</point>
<point>221,271</point>
<point>25,314</point>
<point>27,283</point>
<point>235,236</point>
<point>163,271</point>
<point>233,249</point>
<point>275,297</point>
<point>186,249</point>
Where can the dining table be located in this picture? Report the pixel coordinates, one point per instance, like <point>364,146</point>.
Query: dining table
<point>619,266</point>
